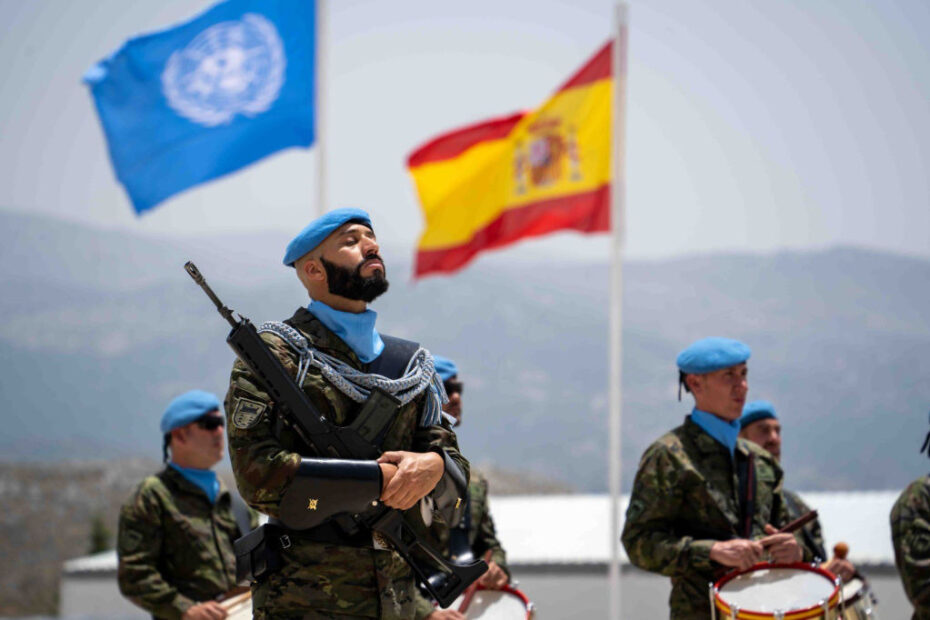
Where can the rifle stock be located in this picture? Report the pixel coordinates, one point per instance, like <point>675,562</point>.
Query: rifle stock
<point>444,579</point>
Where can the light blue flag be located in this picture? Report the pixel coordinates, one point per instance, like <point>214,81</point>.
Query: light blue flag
<point>207,97</point>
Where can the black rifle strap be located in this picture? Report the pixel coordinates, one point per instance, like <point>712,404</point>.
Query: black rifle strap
<point>394,358</point>
<point>241,512</point>
<point>459,548</point>
<point>746,474</point>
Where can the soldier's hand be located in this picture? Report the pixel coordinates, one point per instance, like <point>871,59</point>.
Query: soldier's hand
<point>210,610</point>
<point>417,475</point>
<point>495,578</point>
<point>783,548</point>
<point>738,553</point>
<point>446,614</point>
<point>843,568</point>
<point>387,473</point>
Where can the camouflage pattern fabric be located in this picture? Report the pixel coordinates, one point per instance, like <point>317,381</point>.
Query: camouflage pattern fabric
<point>175,548</point>
<point>811,535</point>
<point>685,498</point>
<point>482,537</point>
<point>319,580</point>
<point>910,534</point>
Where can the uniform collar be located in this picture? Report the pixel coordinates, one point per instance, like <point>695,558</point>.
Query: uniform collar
<point>355,329</point>
<point>723,432</point>
<point>180,482</point>
<point>321,337</point>
<point>204,479</point>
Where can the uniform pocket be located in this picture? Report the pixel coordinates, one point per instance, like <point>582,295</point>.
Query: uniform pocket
<point>320,577</point>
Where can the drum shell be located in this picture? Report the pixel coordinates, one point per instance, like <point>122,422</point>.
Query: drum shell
<point>508,603</point>
<point>813,609</point>
<point>859,603</point>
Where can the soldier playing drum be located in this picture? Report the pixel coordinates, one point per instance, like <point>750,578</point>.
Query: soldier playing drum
<point>703,499</point>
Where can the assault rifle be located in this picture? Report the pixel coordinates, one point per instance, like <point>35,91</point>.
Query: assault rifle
<point>445,580</point>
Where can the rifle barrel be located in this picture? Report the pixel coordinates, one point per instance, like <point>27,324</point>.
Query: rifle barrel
<point>194,273</point>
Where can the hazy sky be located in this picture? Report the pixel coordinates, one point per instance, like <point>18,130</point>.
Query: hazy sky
<point>752,125</point>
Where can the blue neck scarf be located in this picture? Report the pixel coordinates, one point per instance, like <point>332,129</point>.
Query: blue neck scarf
<point>356,330</point>
<point>205,479</point>
<point>724,432</point>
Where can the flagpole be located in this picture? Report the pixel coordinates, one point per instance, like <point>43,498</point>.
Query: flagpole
<point>319,104</point>
<point>617,206</point>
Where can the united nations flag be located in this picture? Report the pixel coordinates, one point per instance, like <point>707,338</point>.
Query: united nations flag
<point>207,97</point>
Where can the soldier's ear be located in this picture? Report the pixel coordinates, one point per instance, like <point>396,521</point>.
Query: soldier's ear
<point>694,383</point>
<point>179,435</point>
<point>312,270</point>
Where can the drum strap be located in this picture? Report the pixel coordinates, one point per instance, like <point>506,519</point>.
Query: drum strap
<point>746,474</point>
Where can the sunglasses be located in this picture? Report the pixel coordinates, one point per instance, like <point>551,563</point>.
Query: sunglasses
<point>210,422</point>
<point>453,387</point>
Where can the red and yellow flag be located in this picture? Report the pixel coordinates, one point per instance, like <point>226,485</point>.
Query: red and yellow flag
<point>492,183</point>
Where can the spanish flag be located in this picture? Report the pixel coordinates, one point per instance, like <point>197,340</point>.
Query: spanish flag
<point>496,182</point>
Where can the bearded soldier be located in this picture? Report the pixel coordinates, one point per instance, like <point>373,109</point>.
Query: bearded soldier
<point>475,535</point>
<point>694,509</point>
<point>176,532</point>
<point>335,353</point>
<point>760,425</point>
<point>910,535</point>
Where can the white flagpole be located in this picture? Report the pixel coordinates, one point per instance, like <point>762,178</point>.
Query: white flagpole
<point>617,205</point>
<point>319,104</point>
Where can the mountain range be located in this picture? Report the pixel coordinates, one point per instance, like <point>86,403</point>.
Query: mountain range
<point>101,329</point>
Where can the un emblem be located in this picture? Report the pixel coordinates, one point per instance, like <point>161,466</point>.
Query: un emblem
<point>233,67</point>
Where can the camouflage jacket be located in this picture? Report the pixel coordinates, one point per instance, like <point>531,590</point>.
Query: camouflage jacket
<point>811,535</point>
<point>175,548</point>
<point>482,536</point>
<point>323,579</point>
<point>910,534</point>
<point>684,499</point>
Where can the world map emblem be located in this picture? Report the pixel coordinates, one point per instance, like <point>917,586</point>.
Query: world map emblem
<point>233,67</point>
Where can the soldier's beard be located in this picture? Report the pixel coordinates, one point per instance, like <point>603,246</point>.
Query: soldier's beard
<point>350,283</point>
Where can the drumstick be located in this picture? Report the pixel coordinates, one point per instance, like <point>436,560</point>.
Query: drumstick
<point>840,550</point>
<point>470,591</point>
<point>798,523</point>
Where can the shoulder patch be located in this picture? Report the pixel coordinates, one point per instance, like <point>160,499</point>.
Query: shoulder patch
<point>129,539</point>
<point>247,413</point>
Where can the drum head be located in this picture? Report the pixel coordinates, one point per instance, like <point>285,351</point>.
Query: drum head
<point>496,605</point>
<point>853,590</point>
<point>768,590</point>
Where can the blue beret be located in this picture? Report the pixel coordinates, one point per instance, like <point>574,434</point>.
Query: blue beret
<point>320,228</point>
<point>755,411</point>
<point>445,367</point>
<point>186,408</point>
<point>712,354</point>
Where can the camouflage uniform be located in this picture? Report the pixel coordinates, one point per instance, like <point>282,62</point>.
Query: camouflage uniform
<point>175,547</point>
<point>319,580</point>
<point>481,535</point>
<point>685,498</point>
<point>910,533</point>
<point>811,535</point>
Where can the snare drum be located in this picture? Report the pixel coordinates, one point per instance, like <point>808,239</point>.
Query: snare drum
<point>859,601</point>
<point>505,604</point>
<point>780,591</point>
